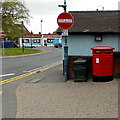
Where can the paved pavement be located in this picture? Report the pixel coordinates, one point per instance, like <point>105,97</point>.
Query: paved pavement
<point>46,96</point>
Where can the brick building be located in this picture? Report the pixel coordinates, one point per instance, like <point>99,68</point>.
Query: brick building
<point>92,28</point>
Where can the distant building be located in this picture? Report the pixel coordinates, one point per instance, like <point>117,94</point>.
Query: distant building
<point>16,38</point>
<point>40,40</point>
<point>28,39</point>
<point>92,28</point>
<point>50,39</point>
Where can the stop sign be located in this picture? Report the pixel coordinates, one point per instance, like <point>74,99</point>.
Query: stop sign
<point>65,20</point>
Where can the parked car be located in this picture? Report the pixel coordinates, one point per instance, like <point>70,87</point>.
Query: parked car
<point>29,46</point>
<point>57,45</point>
<point>9,44</point>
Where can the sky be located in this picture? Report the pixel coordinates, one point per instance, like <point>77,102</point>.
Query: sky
<point>48,11</point>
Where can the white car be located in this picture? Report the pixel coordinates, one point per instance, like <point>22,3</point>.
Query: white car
<point>29,46</point>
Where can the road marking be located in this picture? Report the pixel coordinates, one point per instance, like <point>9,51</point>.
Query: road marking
<point>30,73</point>
<point>32,70</point>
<point>35,69</point>
<point>7,74</point>
<point>35,80</point>
<point>45,66</point>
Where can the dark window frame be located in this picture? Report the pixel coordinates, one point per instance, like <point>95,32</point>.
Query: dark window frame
<point>98,38</point>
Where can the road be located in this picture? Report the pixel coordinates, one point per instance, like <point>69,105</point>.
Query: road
<point>18,66</point>
<point>68,99</point>
<point>12,67</point>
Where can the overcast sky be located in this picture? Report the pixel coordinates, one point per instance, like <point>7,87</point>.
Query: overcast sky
<point>48,11</point>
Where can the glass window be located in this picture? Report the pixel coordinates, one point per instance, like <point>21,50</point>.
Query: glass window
<point>50,41</point>
<point>26,40</point>
<point>98,38</point>
<point>36,41</point>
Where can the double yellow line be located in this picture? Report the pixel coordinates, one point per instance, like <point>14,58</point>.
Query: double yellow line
<point>30,73</point>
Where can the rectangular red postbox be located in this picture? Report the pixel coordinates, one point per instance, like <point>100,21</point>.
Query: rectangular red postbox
<point>102,61</point>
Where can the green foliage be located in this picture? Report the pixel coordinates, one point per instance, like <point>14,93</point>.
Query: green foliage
<point>18,51</point>
<point>13,13</point>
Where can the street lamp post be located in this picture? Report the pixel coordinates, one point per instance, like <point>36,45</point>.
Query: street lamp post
<point>41,25</point>
<point>31,39</point>
<point>65,62</point>
<point>42,42</point>
<point>22,38</point>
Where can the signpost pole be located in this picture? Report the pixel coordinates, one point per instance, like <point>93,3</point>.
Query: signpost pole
<point>66,59</point>
<point>65,51</point>
<point>65,21</point>
<point>2,35</point>
<point>65,10</point>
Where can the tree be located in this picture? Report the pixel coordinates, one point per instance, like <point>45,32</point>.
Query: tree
<point>13,13</point>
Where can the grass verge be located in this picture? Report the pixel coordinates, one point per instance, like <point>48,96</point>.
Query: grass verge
<point>18,51</point>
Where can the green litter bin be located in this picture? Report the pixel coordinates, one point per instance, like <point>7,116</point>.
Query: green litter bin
<point>80,71</point>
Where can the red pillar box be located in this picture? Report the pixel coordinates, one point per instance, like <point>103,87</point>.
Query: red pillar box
<point>102,61</point>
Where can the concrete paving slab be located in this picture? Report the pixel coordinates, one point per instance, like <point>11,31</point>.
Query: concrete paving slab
<point>68,100</point>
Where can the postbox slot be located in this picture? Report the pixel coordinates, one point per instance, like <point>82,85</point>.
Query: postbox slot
<point>97,52</point>
<point>107,52</point>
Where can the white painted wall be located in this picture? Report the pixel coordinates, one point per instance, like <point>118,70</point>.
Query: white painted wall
<point>81,44</point>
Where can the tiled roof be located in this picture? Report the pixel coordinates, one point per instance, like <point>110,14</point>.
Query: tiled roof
<point>94,21</point>
<point>32,36</point>
<point>51,36</point>
<point>25,30</point>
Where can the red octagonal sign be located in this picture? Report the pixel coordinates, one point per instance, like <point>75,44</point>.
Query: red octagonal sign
<point>65,20</point>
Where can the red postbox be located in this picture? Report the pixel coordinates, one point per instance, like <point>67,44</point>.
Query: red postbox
<point>102,61</point>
